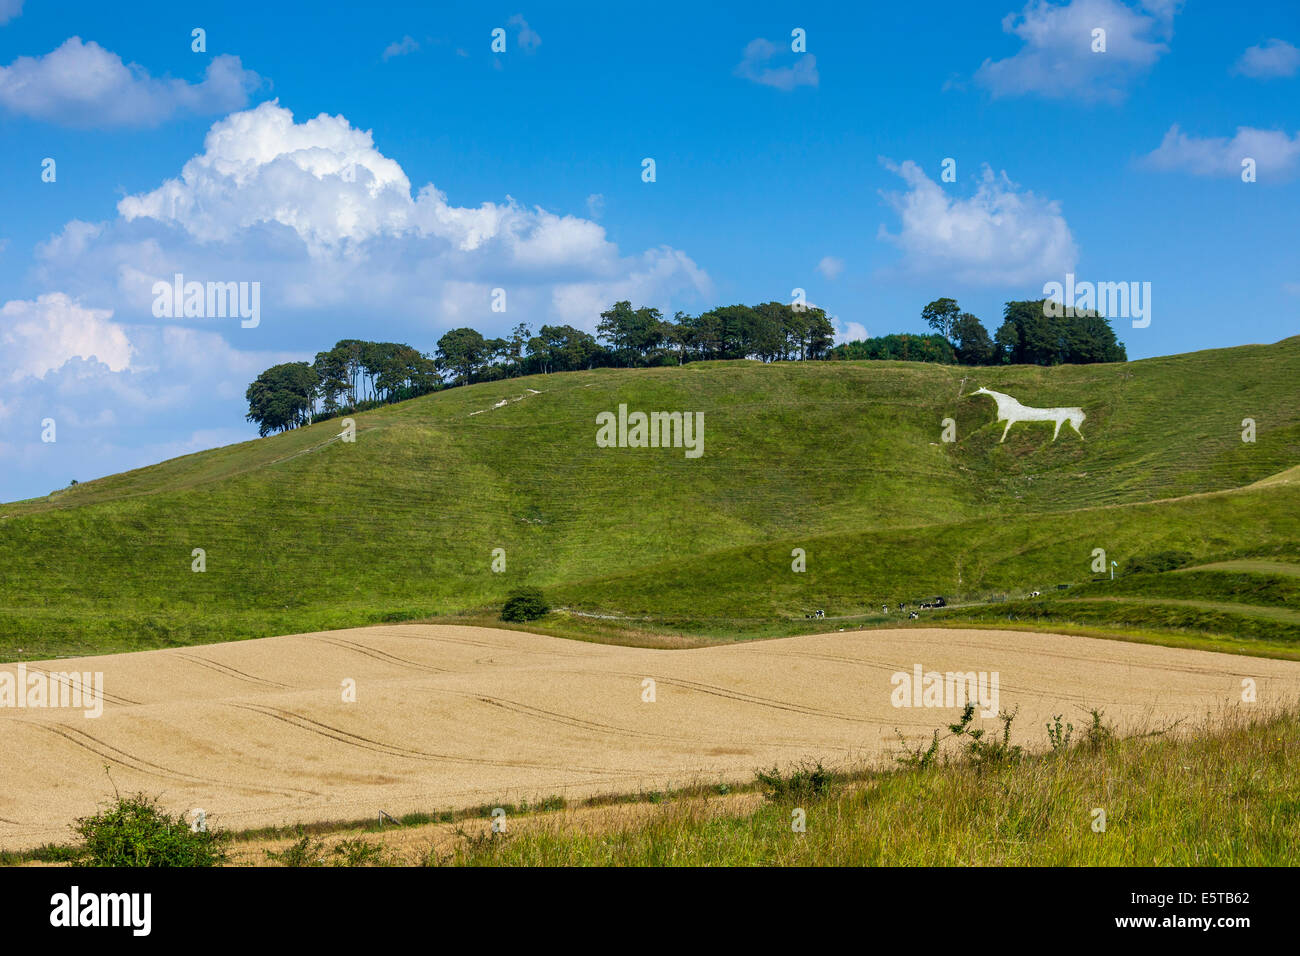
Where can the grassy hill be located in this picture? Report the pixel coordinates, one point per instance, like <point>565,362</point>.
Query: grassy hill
<point>303,531</point>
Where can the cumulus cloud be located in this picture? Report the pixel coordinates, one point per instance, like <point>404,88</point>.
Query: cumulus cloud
<point>1269,60</point>
<point>1057,58</point>
<point>41,336</point>
<point>9,9</point>
<point>1000,235</point>
<point>340,243</point>
<point>830,266</point>
<point>1274,152</point>
<point>323,220</point>
<point>757,66</point>
<point>850,332</point>
<point>83,85</point>
<point>182,391</point>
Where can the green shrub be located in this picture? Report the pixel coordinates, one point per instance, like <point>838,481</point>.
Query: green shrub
<point>135,832</point>
<point>358,852</point>
<point>526,604</point>
<point>802,781</point>
<point>305,851</point>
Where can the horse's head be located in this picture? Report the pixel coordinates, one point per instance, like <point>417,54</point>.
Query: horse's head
<point>979,391</point>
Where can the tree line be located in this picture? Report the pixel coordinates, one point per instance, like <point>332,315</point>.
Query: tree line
<point>1027,336</point>
<point>355,375</point>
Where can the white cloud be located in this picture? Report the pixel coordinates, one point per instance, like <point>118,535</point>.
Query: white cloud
<point>526,37</point>
<point>323,220</point>
<point>596,205</point>
<point>830,266</point>
<point>755,66</point>
<point>1275,153</point>
<point>41,336</point>
<point>1000,235</point>
<point>83,85</point>
<point>1272,58</point>
<point>182,391</point>
<point>1057,59</point>
<point>400,48</point>
<point>850,332</point>
<point>9,9</point>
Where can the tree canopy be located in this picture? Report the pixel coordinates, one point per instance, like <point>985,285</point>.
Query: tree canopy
<point>357,374</point>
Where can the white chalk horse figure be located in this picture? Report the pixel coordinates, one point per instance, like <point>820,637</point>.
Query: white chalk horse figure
<point>1011,411</point>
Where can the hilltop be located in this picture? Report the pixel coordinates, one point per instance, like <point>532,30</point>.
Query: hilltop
<point>304,531</point>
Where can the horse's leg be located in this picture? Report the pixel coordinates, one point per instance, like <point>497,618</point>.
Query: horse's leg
<point>1056,431</point>
<point>1004,432</point>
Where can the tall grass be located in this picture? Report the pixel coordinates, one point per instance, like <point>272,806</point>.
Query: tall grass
<point>1227,794</point>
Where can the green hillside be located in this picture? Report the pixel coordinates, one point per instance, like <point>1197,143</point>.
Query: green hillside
<point>303,531</point>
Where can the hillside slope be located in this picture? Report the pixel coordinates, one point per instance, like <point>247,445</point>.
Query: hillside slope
<point>302,531</point>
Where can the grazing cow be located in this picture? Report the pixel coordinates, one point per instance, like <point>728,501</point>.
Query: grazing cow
<point>913,615</point>
<point>1011,411</point>
<point>884,609</point>
<point>1035,593</point>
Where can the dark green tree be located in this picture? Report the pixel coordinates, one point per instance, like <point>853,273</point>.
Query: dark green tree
<point>282,397</point>
<point>973,345</point>
<point>462,352</point>
<point>941,315</point>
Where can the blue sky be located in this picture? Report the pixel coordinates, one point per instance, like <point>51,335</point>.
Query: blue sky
<point>443,170</point>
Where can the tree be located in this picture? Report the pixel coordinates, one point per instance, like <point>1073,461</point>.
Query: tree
<point>350,349</point>
<point>941,315</point>
<point>821,334</point>
<point>462,351</point>
<point>1029,336</point>
<point>332,370</point>
<point>566,349</point>
<point>973,345</point>
<point>526,604</point>
<point>281,398</point>
<point>902,347</point>
<point>518,341</point>
<point>763,331</point>
<point>1089,338</point>
<point>616,326</point>
<point>678,335</point>
<point>634,335</point>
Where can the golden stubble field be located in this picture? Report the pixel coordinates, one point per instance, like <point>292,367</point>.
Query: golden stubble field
<point>259,732</point>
